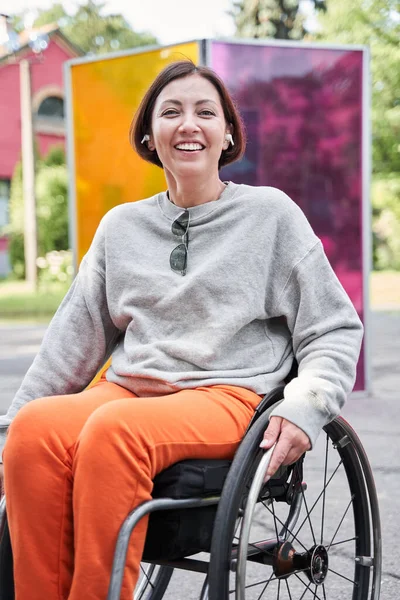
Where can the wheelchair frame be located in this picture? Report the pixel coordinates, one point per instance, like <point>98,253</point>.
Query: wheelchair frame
<point>251,462</point>
<point>345,436</point>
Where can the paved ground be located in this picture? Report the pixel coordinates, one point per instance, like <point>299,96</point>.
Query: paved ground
<point>376,419</point>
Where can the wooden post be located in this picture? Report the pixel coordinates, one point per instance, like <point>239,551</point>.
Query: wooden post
<point>28,171</point>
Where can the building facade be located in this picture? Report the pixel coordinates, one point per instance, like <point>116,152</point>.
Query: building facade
<point>47,96</point>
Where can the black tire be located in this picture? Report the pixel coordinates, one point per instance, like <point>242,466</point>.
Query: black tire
<point>355,577</point>
<point>155,582</point>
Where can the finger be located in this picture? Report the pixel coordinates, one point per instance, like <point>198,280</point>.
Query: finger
<point>280,453</point>
<point>272,432</point>
<point>293,455</point>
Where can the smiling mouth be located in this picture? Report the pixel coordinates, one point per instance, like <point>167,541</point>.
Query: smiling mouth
<point>189,147</point>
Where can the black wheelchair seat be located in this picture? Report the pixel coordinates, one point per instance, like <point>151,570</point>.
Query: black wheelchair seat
<point>175,533</point>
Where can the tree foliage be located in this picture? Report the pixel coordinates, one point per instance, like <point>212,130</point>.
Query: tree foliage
<point>279,19</point>
<point>51,208</point>
<point>375,23</point>
<point>90,30</point>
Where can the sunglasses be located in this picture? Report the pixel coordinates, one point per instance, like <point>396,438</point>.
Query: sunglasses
<point>178,257</point>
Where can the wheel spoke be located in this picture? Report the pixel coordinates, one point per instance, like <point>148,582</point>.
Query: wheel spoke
<point>147,576</point>
<point>283,524</point>
<point>307,588</point>
<point>266,581</point>
<point>266,585</point>
<point>324,498</point>
<point>276,526</point>
<point>343,577</point>
<point>288,589</point>
<point>341,521</point>
<point>145,582</point>
<point>323,590</point>
<point>344,541</point>
<point>308,515</point>
<point>317,500</point>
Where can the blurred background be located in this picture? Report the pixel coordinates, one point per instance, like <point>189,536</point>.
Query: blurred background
<point>36,262</point>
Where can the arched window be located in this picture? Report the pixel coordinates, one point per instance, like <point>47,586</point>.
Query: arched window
<point>48,111</point>
<point>52,108</point>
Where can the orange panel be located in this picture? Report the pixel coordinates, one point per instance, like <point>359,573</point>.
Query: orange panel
<point>105,95</point>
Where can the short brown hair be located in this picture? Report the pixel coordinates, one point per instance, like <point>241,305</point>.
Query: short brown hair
<point>141,123</point>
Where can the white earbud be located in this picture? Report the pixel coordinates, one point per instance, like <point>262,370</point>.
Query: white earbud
<point>229,138</point>
<point>146,138</point>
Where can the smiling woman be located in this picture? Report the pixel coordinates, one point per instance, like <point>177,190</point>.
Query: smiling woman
<point>220,102</point>
<point>203,295</point>
<point>189,122</point>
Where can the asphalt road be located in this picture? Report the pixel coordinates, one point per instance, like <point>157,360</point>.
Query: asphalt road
<point>376,418</point>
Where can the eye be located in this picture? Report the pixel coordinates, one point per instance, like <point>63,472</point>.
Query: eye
<point>207,113</point>
<point>170,112</point>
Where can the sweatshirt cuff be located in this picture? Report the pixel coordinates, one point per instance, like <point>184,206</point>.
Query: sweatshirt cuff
<point>303,413</point>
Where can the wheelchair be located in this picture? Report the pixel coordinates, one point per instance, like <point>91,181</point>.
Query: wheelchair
<point>311,531</point>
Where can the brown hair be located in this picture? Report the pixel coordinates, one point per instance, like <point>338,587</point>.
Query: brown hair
<point>141,123</point>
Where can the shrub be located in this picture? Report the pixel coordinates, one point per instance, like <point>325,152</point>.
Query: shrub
<point>55,267</point>
<point>52,209</point>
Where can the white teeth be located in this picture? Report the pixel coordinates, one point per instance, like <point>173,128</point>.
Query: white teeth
<point>189,146</point>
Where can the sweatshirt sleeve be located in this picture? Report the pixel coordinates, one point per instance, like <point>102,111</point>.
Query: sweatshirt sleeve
<point>77,342</point>
<point>326,336</point>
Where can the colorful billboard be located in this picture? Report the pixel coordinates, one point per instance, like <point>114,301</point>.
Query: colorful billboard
<point>303,111</point>
<point>304,107</point>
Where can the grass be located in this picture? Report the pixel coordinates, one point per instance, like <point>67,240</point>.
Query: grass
<point>19,302</point>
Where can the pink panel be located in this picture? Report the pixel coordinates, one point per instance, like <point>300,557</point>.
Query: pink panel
<point>303,113</point>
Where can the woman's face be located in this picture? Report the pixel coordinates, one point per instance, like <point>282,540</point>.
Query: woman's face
<point>189,127</point>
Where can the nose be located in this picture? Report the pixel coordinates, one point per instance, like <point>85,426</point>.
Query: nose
<point>189,123</point>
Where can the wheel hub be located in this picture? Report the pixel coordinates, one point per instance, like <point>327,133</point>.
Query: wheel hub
<point>314,562</point>
<point>319,564</point>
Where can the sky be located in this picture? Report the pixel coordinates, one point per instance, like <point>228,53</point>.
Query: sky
<point>169,20</point>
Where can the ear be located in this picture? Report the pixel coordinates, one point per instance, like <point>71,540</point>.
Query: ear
<point>150,144</point>
<point>227,143</point>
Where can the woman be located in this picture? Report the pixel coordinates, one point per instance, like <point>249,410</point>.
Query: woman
<point>202,295</point>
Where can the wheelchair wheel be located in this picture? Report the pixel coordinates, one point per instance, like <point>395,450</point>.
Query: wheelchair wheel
<point>312,532</point>
<point>153,582</point>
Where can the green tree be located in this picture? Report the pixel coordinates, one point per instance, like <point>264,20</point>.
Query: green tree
<point>52,209</point>
<point>375,23</point>
<point>279,19</point>
<point>15,229</point>
<point>90,30</point>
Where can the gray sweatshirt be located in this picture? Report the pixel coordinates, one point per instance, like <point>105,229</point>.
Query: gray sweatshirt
<point>258,292</point>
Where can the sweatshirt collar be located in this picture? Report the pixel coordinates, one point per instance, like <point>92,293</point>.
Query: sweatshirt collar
<point>171,211</point>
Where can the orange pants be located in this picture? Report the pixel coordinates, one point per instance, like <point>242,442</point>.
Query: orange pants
<point>76,465</point>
